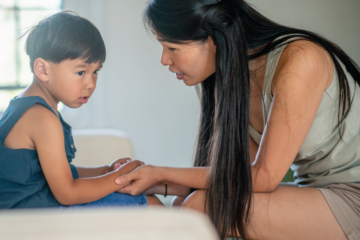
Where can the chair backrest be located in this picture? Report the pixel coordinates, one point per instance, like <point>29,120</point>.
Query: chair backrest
<point>100,146</point>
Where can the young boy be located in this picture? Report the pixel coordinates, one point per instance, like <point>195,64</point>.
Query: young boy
<point>36,146</point>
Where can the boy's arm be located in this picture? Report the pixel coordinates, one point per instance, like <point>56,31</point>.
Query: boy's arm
<point>85,172</point>
<point>48,137</point>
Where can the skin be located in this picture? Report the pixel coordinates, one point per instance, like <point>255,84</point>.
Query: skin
<point>39,129</point>
<point>195,60</point>
<point>304,71</point>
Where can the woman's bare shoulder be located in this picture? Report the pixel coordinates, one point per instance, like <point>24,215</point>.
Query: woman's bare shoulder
<point>307,59</point>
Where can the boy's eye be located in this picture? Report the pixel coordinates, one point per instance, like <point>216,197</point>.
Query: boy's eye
<point>172,49</point>
<point>81,73</point>
<point>96,71</point>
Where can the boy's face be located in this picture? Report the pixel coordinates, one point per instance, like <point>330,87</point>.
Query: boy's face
<point>72,81</point>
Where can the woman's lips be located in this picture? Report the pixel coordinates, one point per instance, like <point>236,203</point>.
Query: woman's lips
<point>180,76</point>
<point>84,99</point>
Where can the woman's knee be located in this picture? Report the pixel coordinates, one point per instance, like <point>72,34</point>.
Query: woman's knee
<point>195,201</point>
<point>177,201</point>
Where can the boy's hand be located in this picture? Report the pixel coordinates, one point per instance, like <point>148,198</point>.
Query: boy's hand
<point>117,163</point>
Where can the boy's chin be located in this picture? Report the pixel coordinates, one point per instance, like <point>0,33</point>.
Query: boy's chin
<point>73,105</point>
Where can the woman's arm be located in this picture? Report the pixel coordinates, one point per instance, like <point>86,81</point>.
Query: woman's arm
<point>304,72</point>
<point>194,177</point>
<point>148,176</point>
<point>170,189</point>
<point>47,135</point>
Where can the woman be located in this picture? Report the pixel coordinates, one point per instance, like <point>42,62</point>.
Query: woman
<point>271,97</point>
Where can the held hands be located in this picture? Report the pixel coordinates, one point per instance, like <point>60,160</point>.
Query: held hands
<point>118,163</point>
<point>137,178</point>
<point>138,181</point>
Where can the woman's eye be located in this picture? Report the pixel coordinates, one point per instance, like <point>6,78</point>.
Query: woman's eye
<point>96,72</point>
<point>172,49</point>
<point>81,73</point>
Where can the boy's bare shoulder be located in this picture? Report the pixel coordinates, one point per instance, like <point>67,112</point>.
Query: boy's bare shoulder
<point>35,121</point>
<point>45,125</point>
<point>41,117</point>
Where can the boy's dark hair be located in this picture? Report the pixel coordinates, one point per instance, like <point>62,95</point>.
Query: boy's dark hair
<point>62,36</point>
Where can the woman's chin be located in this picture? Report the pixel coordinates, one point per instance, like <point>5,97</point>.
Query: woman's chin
<point>190,83</point>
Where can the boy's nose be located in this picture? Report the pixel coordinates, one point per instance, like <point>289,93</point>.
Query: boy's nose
<point>91,84</point>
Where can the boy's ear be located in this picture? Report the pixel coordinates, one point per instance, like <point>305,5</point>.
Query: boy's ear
<point>41,69</point>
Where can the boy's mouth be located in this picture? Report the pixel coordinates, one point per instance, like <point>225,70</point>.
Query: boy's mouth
<point>83,99</point>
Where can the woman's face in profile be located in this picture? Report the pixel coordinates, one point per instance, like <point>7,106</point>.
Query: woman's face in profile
<point>191,62</point>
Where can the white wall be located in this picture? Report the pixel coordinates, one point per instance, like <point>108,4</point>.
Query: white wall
<point>336,20</point>
<point>138,95</point>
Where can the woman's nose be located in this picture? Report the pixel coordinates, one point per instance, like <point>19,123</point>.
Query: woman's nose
<point>165,59</point>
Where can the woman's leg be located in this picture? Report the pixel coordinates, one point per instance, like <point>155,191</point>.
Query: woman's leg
<point>177,201</point>
<point>287,213</point>
<point>153,201</point>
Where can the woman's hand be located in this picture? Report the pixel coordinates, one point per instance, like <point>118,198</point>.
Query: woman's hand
<point>139,180</point>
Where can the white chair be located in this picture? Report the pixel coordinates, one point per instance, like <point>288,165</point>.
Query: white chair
<point>97,147</point>
<point>107,224</point>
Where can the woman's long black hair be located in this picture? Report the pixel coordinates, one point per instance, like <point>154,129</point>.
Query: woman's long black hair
<point>223,138</point>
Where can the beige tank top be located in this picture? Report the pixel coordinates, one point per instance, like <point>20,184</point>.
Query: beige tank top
<point>323,158</point>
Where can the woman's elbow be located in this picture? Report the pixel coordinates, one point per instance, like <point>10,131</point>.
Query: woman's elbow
<point>265,187</point>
